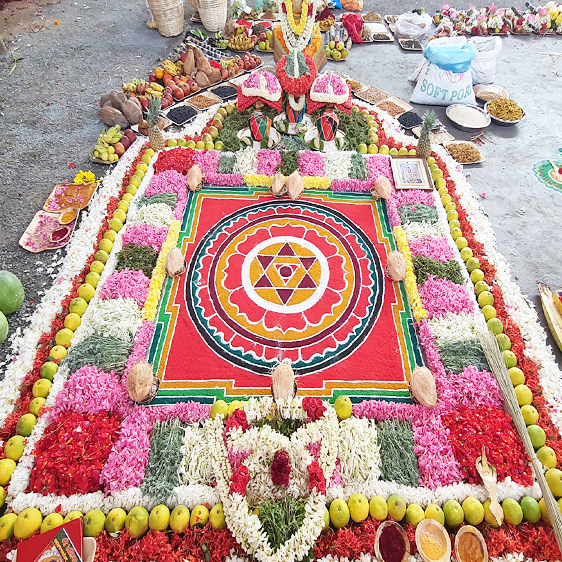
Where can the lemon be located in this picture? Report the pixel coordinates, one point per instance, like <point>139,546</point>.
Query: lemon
<point>403,151</point>
<point>28,523</point>
<point>115,520</point>
<point>373,149</point>
<point>51,521</point>
<point>97,267</point>
<point>7,523</point>
<point>489,516</point>
<point>86,292</point>
<point>7,467</point>
<point>35,406</point>
<point>179,520</point>
<point>554,480</point>
<point>452,215</point>
<point>146,158</point>
<point>172,142</point>
<point>93,523</point>
<point>544,512</point>
<point>131,189</point>
<point>137,522</point>
<point>473,511</point>
<point>106,245</point>
<point>73,515</point>
<point>358,507</point>
<point>339,513</point>
<point>142,166</point>
<point>120,214</point>
<point>396,507</point>
<point>440,183</point>
<point>58,352</point>
<point>512,511</point>
<point>149,151</point>
<point>466,253</point>
<point>234,405</point>
<point>362,148</point>
<point>509,359</point>
<point>450,207</point>
<point>343,407</point>
<point>216,517</point>
<point>77,306</point>
<point>127,197</point>
<point>378,508</point>
<point>72,320</point>
<point>102,255</point>
<point>159,518</point>
<point>537,435</point>
<point>191,144</point>
<point>531,509</point>
<point>495,326</point>
<point>446,199</point>
<point>456,233</point>
<point>123,205</point>
<point>115,224</point>
<point>517,376</point>
<point>219,145</point>
<point>485,298</point>
<point>25,425</point>
<point>210,145</point>
<point>454,514</point>
<point>139,174</point>
<point>462,243</point>
<point>476,275</point>
<point>14,447</point>
<point>135,181</point>
<point>64,337</point>
<point>504,343</point>
<point>524,395</point>
<point>489,312</point>
<point>393,152</point>
<point>412,152</point>
<point>547,456</point>
<point>199,516</point>
<point>41,388</point>
<point>383,149</point>
<point>433,511</point>
<point>49,368</point>
<point>219,407</point>
<point>414,514</point>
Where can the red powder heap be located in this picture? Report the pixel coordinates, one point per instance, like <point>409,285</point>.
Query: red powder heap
<point>391,544</point>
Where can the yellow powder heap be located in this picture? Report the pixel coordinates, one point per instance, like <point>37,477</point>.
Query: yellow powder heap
<point>432,546</point>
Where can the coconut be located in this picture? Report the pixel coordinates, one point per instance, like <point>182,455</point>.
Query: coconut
<point>175,262</point>
<point>295,185</point>
<point>382,188</point>
<point>194,178</point>
<point>396,266</point>
<point>422,387</point>
<point>140,381</point>
<point>283,383</point>
<point>278,185</point>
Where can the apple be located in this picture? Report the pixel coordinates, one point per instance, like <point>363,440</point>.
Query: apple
<point>224,73</point>
<point>178,94</point>
<point>141,89</point>
<point>119,149</point>
<point>183,57</point>
<point>263,37</point>
<point>144,103</point>
<point>254,38</point>
<point>194,87</point>
<point>125,142</point>
<point>167,90</point>
<point>152,78</point>
<point>258,60</point>
<point>130,135</point>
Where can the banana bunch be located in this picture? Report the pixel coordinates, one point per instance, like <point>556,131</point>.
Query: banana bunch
<point>155,90</point>
<point>169,67</point>
<point>104,145</point>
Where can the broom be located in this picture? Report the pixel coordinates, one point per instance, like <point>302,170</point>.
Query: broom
<point>501,374</point>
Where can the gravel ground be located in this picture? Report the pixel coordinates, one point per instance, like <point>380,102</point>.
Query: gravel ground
<point>48,120</point>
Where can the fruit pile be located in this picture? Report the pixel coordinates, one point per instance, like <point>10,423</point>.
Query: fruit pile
<point>265,41</point>
<point>111,144</point>
<point>242,40</point>
<point>336,50</point>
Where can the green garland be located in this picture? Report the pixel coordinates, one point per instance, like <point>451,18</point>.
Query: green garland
<point>355,128</point>
<point>424,267</point>
<point>226,164</point>
<point>417,212</point>
<point>398,460</point>
<point>358,169</point>
<point>236,122</point>
<point>165,457</point>
<point>289,162</point>
<point>169,199</point>
<point>283,426</point>
<point>136,257</point>
<point>458,355</point>
<point>281,519</point>
<point>105,352</point>
<point>292,142</point>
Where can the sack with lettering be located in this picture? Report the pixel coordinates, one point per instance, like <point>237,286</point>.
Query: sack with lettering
<point>447,78</point>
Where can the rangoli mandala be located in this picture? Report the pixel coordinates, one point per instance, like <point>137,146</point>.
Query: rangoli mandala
<point>275,280</point>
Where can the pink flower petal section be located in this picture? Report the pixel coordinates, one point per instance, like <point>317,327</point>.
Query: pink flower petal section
<point>127,284</point>
<point>145,235</point>
<point>432,247</point>
<point>441,296</point>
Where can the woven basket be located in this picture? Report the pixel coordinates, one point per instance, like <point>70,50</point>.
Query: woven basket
<point>168,15</point>
<point>213,14</point>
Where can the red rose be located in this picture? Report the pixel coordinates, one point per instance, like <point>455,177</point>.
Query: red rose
<point>280,469</point>
<point>239,480</point>
<point>314,408</point>
<point>237,419</point>
<point>316,478</point>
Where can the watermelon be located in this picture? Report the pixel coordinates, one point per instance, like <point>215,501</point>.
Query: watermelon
<point>3,327</point>
<point>11,292</point>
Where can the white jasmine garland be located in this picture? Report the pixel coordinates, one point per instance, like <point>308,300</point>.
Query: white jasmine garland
<point>337,165</point>
<point>415,230</point>
<point>157,215</point>
<point>195,467</point>
<point>245,162</point>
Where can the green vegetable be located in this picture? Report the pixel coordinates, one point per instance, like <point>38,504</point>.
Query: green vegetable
<point>284,426</point>
<point>424,267</point>
<point>417,212</point>
<point>281,519</point>
<point>169,199</point>
<point>140,258</point>
<point>226,164</point>
<point>358,168</point>
<point>106,352</point>
<point>289,162</point>
<point>457,355</point>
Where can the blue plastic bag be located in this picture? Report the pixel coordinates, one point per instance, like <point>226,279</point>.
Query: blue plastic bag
<point>454,58</point>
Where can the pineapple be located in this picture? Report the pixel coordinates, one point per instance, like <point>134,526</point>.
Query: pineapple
<point>424,144</point>
<point>154,133</point>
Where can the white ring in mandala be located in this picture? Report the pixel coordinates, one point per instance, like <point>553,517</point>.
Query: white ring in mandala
<point>293,308</point>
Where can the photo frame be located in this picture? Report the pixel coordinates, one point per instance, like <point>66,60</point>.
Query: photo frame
<point>411,172</point>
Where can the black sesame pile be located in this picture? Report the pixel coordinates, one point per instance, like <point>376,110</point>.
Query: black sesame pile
<point>409,120</point>
<point>224,91</point>
<point>181,114</point>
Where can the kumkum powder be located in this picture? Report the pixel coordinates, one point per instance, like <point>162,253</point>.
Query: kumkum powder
<point>391,544</point>
<point>432,547</point>
<point>470,549</point>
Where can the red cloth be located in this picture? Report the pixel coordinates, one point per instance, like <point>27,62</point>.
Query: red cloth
<point>354,25</point>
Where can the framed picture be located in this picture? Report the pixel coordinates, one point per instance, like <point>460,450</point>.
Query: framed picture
<point>410,172</point>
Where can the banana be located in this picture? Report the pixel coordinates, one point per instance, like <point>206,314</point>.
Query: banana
<point>170,68</point>
<point>114,130</point>
<point>156,86</point>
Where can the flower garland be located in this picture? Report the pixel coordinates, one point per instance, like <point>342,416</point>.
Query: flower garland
<point>288,8</point>
<point>297,42</point>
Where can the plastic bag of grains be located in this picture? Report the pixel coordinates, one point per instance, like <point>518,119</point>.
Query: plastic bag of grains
<point>447,77</point>
<point>485,61</point>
